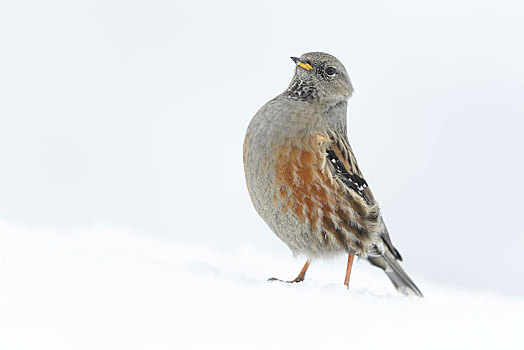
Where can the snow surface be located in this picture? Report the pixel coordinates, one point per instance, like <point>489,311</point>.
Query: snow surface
<point>112,289</point>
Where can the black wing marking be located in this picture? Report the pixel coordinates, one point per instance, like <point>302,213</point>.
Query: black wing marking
<point>353,181</point>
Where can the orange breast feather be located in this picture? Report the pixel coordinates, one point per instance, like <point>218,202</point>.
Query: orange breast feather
<point>308,189</point>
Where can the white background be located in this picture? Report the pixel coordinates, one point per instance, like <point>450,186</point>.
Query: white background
<point>130,116</point>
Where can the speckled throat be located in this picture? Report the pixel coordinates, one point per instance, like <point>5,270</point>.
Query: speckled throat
<point>303,90</point>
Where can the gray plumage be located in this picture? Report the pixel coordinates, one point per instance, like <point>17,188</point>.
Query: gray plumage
<point>303,177</point>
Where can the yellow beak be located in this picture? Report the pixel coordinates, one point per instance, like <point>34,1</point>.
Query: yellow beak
<point>302,63</point>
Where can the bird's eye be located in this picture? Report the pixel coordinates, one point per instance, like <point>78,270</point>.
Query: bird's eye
<point>331,70</point>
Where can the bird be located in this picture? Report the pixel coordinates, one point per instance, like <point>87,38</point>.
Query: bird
<point>303,177</point>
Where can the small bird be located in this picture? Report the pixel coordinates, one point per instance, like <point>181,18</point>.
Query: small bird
<point>303,177</point>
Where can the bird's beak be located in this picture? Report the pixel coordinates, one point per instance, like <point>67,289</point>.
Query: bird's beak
<point>302,63</point>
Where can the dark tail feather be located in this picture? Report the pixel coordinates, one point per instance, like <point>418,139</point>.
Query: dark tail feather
<point>396,274</point>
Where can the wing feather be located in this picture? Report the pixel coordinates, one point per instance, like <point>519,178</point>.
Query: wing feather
<point>343,165</point>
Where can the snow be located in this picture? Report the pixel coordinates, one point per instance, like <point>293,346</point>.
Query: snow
<point>104,288</point>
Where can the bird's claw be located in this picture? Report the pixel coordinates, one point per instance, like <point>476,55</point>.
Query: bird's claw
<point>296,280</point>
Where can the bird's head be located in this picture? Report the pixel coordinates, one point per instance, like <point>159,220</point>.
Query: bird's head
<point>321,78</point>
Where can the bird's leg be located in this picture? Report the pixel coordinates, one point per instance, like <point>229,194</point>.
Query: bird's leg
<point>302,273</point>
<point>300,276</point>
<point>348,269</point>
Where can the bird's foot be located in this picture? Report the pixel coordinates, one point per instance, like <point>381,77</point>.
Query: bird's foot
<point>300,276</point>
<point>296,280</point>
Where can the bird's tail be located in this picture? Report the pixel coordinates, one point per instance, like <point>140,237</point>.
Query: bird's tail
<point>396,274</point>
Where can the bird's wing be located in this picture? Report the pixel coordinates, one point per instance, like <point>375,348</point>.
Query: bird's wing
<point>344,166</point>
